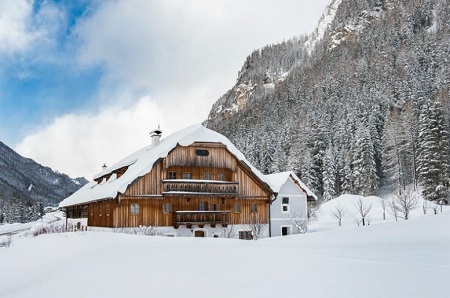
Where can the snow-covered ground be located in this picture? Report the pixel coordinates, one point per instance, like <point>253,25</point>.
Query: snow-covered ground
<point>18,227</point>
<point>386,259</point>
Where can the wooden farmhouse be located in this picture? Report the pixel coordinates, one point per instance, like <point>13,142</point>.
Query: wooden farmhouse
<point>193,183</point>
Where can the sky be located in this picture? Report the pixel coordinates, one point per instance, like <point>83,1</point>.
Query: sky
<point>83,82</point>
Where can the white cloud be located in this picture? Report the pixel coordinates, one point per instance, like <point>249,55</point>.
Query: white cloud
<point>78,144</point>
<point>184,54</point>
<point>15,32</point>
<point>162,44</point>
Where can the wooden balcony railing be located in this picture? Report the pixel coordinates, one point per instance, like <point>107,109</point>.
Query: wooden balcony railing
<point>200,187</point>
<point>190,218</point>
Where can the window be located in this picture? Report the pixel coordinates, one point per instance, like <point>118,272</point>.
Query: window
<point>285,230</point>
<point>108,208</point>
<point>202,152</point>
<point>285,205</point>
<point>166,208</point>
<point>134,209</point>
<point>172,175</point>
<point>207,176</point>
<point>202,206</point>
<point>245,235</point>
<point>253,207</point>
<point>237,207</point>
<point>186,175</point>
<point>221,177</point>
<point>100,209</point>
<point>213,207</point>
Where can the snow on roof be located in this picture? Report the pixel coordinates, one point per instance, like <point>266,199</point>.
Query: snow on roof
<point>277,180</point>
<point>141,162</point>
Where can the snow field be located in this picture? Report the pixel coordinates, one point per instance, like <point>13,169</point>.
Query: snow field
<point>394,259</point>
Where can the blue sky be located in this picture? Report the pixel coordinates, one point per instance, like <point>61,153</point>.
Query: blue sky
<point>83,82</point>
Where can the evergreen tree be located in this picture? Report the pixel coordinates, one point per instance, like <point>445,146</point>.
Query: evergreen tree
<point>329,174</point>
<point>365,172</point>
<point>433,152</point>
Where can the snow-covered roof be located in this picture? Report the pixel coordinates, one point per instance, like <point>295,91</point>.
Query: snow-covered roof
<point>277,180</point>
<point>141,162</point>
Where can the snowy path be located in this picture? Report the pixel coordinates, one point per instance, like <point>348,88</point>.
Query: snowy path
<point>11,229</point>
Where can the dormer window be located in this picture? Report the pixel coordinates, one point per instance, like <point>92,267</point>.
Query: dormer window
<point>202,152</point>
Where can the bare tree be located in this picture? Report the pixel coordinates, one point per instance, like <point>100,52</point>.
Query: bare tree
<point>383,206</point>
<point>406,202</point>
<point>229,231</point>
<point>312,210</point>
<point>339,213</point>
<point>393,209</point>
<point>434,207</point>
<point>425,206</point>
<point>299,221</point>
<point>357,221</point>
<point>255,225</point>
<point>363,210</point>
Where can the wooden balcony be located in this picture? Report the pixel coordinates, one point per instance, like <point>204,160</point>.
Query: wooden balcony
<point>201,218</point>
<point>186,187</point>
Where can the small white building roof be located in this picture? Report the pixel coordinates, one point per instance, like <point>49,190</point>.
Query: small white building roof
<point>277,180</point>
<point>141,162</point>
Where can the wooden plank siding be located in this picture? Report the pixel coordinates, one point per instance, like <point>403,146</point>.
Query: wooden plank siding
<point>147,191</point>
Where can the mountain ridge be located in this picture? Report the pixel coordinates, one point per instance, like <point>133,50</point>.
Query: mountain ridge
<point>381,66</point>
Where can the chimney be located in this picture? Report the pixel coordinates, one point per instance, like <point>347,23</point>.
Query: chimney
<point>104,167</point>
<point>156,136</point>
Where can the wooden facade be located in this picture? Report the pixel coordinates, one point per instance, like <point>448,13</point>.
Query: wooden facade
<point>201,184</point>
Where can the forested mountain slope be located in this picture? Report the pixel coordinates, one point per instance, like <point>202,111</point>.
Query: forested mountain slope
<point>26,186</point>
<point>362,101</point>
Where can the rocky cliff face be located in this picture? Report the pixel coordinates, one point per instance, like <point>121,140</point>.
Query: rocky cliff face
<point>323,104</point>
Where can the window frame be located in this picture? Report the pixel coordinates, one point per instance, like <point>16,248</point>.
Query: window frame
<point>239,208</point>
<point>289,230</point>
<point>135,209</point>
<point>285,205</point>
<point>253,207</point>
<point>207,176</point>
<point>220,177</point>
<point>186,175</point>
<point>167,208</point>
<point>245,235</point>
<point>172,175</point>
<point>204,204</point>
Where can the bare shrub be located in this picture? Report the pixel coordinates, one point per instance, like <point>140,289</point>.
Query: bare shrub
<point>393,210</point>
<point>434,207</point>
<point>230,232</point>
<point>357,221</point>
<point>383,206</point>
<point>363,210</point>
<point>53,228</point>
<point>141,230</point>
<point>299,221</point>
<point>255,226</point>
<point>406,202</point>
<point>312,210</point>
<point>425,206</point>
<point>5,241</point>
<point>339,213</point>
